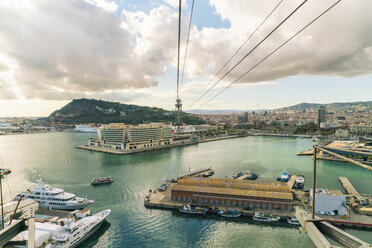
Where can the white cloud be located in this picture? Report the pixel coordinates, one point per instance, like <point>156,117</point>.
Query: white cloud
<point>108,6</point>
<point>64,49</point>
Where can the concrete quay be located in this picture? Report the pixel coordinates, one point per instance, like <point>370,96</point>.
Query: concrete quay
<point>122,152</point>
<point>162,200</point>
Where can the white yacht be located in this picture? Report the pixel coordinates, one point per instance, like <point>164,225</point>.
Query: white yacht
<point>50,197</point>
<point>85,129</point>
<point>75,233</point>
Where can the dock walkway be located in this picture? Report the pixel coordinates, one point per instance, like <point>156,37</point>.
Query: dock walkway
<point>348,186</point>
<point>292,181</point>
<point>197,173</point>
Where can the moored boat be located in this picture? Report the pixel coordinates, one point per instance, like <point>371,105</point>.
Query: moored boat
<point>250,176</point>
<point>50,197</point>
<point>73,234</point>
<point>229,213</point>
<point>208,174</point>
<point>300,181</point>
<point>265,217</point>
<point>284,176</point>
<point>293,221</point>
<point>5,172</point>
<point>101,180</point>
<point>191,209</point>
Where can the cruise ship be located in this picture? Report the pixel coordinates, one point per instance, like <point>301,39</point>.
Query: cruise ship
<point>85,129</point>
<point>73,234</point>
<point>55,198</point>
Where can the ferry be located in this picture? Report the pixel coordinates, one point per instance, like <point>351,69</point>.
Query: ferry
<point>85,129</point>
<point>293,221</point>
<point>265,217</point>
<point>101,180</point>
<point>190,209</point>
<point>229,213</point>
<point>73,234</point>
<point>250,176</point>
<point>55,198</point>
<point>284,176</point>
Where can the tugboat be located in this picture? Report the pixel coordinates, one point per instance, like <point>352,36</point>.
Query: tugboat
<point>300,181</point>
<point>250,176</point>
<point>284,176</point>
<point>101,180</point>
<point>191,209</point>
<point>293,221</point>
<point>265,217</point>
<point>229,213</point>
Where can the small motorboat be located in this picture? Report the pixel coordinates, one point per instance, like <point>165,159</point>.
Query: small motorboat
<point>101,180</point>
<point>265,217</point>
<point>229,213</point>
<point>163,187</point>
<point>5,172</point>
<point>250,176</point>
<point>191,209</point>
<point>208,174</point>
<point>235,176</point>
<point>300,181</point>
<point>284,176</point>
<point>293,221</point>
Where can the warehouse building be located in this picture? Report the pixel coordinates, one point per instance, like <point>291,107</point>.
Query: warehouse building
<point>233,193</point>
<point>329,201</point>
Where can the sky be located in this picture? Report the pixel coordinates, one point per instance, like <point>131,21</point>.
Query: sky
<point>54,51</point>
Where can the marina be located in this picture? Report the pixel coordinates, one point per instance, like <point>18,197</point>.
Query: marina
<point>126,196</point>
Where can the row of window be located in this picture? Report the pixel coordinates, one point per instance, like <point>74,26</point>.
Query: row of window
<point>259,205</point>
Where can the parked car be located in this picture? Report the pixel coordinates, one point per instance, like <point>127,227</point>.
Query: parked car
<point>320,212</point>
<point>331,213</point>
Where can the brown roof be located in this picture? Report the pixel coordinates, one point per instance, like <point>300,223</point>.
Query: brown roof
<point>235,184</point>
<point>233,192</point>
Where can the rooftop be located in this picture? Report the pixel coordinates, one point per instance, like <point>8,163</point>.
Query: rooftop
<point>236,192</point>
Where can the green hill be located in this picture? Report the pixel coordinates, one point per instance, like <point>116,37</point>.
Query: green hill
<point>98,111</point>
<point>336,106</point>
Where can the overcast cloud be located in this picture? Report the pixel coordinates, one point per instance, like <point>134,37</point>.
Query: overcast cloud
<point>60,50</point>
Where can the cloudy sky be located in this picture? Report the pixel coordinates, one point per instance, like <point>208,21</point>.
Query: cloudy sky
<point>52,51</point>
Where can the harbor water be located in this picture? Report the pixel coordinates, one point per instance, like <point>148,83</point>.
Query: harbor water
<point>55,158</point>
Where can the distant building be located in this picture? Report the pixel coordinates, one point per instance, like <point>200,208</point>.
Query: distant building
<point>341,133</point>
<point>361,130</point>
<point>322,115</point>
<point>127,137</point>
<point>329,201</point>
<point>243,118</point>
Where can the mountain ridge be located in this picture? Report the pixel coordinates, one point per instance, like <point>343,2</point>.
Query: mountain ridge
<point>80,111</point>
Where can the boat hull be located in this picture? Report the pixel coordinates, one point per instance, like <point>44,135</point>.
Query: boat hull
<point>192,212</point>
<point>265,220</point>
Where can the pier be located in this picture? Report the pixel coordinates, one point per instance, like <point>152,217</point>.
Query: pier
<point>306,153</point>
<point>291,182</point>
<point>348,186</point>
<point>197,173</point>
<point>315,228</point>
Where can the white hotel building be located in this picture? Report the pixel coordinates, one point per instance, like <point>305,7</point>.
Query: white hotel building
<point>119,136</point>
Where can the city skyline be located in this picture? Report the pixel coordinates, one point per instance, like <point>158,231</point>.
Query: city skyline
<point>135,64</point>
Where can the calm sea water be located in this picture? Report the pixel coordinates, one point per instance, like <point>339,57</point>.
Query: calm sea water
<point>131,224</point>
